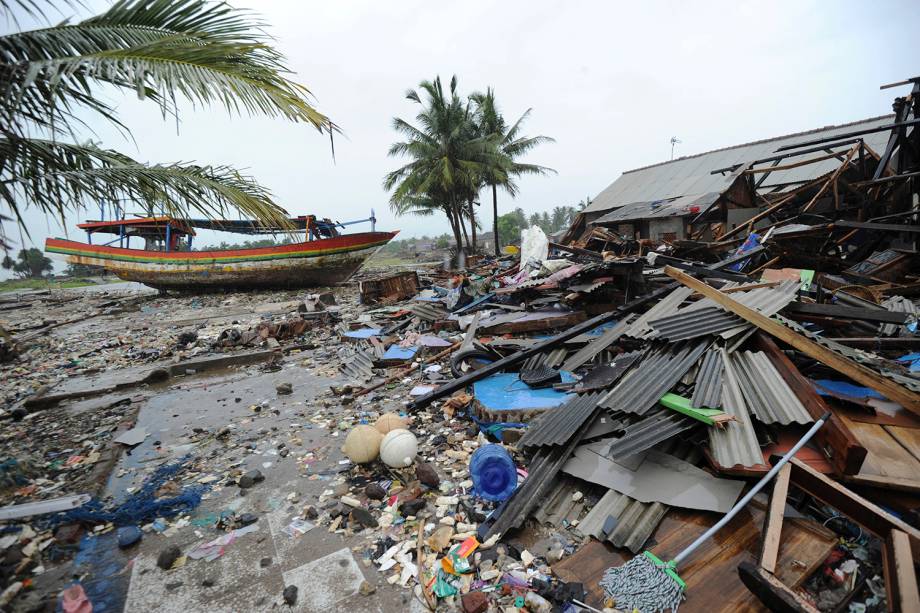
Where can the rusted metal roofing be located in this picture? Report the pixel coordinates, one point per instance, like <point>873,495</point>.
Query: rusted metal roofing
<point>659,426</point>
<point>765,391</point>
<point>653,377</point>
<point>556,427</point>
<point>707,391</point>
<point>736,442</point>
<point>597,345</point>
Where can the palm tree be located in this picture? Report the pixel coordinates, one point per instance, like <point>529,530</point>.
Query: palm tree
<point>512,146</point>
<point>205,52</point>
<point>448,158</point>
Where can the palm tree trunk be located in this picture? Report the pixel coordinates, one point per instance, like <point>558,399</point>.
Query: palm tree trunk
<point>466,235</point>
<point>495,218</point>
<point>458,241</point>
<point>473,224</point>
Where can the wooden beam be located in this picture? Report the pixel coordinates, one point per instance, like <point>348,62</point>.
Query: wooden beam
<point>773,521</point>
<point>900,579</point>
<point>846,312</point>
<point>855,371</point>
<point>772,592</point>
<point>843,450</point>
<point>849,503</point>
<point>831,180</point>
<point>752,171</point>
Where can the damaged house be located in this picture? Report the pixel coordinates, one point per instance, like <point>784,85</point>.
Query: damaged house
<point>704,196</point>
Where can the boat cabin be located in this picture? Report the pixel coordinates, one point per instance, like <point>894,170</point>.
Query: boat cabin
<point>156,233</point>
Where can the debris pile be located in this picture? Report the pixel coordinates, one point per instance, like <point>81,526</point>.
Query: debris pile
<point>501,436</point>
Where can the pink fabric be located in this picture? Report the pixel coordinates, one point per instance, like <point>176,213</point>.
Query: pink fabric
<point>75,600</point>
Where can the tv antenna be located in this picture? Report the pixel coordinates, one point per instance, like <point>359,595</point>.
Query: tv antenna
<point>674,141</point>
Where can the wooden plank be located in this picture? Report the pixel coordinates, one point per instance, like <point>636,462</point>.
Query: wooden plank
<point>773,521</point>
<point>908,437</point>
<point>844,451</point>
<point>713,585</point>
<point>537,325</point>
<point>859,373</point>
<point>888,463</point>
<point>900,579</point>
<point>874,518</point>
<point>771,591</point>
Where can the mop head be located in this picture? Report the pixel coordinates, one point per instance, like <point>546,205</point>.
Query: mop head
<point>645,583</point>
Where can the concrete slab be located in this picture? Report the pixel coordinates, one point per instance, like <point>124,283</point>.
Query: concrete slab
<point>326,581</point>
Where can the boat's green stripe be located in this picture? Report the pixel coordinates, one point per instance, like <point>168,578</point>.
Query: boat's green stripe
<point>220,260</point>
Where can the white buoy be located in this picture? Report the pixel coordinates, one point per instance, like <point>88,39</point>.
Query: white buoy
<point>399,448</point>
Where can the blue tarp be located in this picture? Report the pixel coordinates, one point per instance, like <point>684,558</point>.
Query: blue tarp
<point>506,392</point>
<point>363,333</point>
<point>395,352</point>
<point>829,387</point>
<point>912,360</point>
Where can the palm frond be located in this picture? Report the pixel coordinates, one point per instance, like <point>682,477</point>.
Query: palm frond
<point>204,51</point>
<point>57,177</point>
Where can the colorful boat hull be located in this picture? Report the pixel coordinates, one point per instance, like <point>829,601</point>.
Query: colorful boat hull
<point>308,264</point>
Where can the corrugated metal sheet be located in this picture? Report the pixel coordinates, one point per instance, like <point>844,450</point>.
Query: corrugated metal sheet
<point>706,317</point>
<point>626,522</point>
<point>664,307</point>
<point>596,345</point>
<point>653,377</point>
<point>606,374</point>
<point>736,442</point>
<point>692,174</point>
<point>694,323</point>
<point>707,391</point>
<point>559,509</point>
<point>358,366</point>
<point>427,311</point>
<point>765,391</point>
<point>543,468</point>
<point>623,521</point>
<point>897,304</point>
<point>655,428</point>
<point>556,427</point>
<point>866,358</point>
<point>676,207</point>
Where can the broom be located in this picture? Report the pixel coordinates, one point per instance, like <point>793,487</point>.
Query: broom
<point>648,584</point>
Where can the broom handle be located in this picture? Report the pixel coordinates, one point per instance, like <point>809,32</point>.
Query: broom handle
<point>747,498</point>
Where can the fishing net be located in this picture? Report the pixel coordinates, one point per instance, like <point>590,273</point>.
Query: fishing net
<point>140,507</point>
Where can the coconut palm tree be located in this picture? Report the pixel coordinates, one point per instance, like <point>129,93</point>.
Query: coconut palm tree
<point>512,146</point>
<point>447,156</point>
<point>207,53</point>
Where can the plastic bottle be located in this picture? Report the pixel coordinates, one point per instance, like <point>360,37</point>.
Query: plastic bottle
<point>494,473</point>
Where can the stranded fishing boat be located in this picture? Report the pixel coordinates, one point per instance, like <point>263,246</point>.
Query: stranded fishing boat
<point>167,261</point>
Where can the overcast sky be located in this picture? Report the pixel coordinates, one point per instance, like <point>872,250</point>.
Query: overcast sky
<point>612,82</point>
